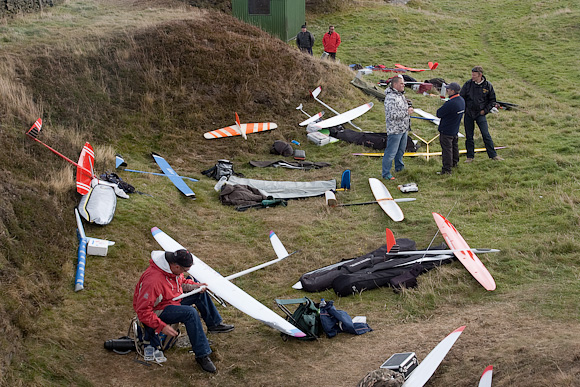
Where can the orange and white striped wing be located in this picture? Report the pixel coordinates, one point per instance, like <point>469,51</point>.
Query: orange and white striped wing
<point>231,131</point>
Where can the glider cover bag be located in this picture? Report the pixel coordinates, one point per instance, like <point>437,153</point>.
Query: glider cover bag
<point>384,274</point>
<point>368,139</point>
<point>98,205</point>
<point>322,279</point>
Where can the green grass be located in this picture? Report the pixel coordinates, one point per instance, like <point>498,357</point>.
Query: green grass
<point>154,78</point>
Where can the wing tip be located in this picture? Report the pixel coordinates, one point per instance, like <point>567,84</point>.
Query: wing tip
<point>155,230</point>
<point>460,329</point>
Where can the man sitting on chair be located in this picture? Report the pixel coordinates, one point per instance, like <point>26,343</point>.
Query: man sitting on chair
<point>153,302</point>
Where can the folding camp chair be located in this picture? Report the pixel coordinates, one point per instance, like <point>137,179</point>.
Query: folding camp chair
<point>306,317</point>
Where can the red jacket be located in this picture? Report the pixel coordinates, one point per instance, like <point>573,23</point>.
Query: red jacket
<point>330,42</point>
<point>155,291</point>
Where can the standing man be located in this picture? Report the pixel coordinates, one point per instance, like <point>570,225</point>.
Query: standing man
<point>153,302</point>
<point>305,40</point>
<point>450,114</point>
<point>479,100</point>
<point>398,118</point>
<point>330,42</point>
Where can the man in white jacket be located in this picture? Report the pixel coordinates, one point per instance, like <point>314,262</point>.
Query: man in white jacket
<point>398,119</point>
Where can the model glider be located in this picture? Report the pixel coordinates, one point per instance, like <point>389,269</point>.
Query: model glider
<point>310,119</point>
<point>223,288</point>
<point>316,92</point>
<point>486,377</point>
<point>432,66</point>
<point>121,162</point>
<point>385,200</point>
<point>428,116</point>
<point>86,162</point>
<point>173,176</point>
<point>344,117</point>
<point>33,133</point>
<point>427,367</point>
<point>393,255</point>
<point>82,252</point>
<point>464,253</point>
<point>240,129</point>
<point>416,154</point>
<point>331,201</point>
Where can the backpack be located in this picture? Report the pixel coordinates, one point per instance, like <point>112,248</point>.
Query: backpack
<point>306,317</point>
<point>221,169</point>
<point>112,177</point>
<point>135,340</point>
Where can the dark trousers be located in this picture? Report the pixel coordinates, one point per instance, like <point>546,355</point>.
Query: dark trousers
<point>469,123</point>
<point>188,315</point>
<point>332,55</point>
<point>307,50</point>
<point>449,152</point>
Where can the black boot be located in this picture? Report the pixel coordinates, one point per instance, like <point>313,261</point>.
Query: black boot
<point>220,328</point>
<point>206,364</point>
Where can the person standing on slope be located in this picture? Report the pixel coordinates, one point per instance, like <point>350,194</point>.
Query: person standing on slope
<point>330,42</point>
<point>450,115</point>
<point>398,111</point>
<point>479,100</point>
<point>305,40</point>
<point>153,302</point>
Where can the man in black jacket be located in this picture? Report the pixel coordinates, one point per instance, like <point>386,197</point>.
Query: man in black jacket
<point>450,114</point>
<point>479,100</point>
<point>305,40</point>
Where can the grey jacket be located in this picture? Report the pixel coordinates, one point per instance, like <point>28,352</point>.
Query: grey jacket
<point>396,112</point>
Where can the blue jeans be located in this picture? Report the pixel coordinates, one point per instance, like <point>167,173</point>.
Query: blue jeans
<point>396,145</point>
<point>469,123</point>
<point>188,315</point>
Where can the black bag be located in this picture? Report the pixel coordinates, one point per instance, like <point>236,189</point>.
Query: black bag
<point>221,169</point>
<point>407,279</point>
<point>281,148</point>
<point>112,177</point>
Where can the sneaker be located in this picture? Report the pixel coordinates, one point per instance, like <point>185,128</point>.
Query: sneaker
<point>443,173</point>
<point>469,160</point>
<point>206,364</point>
<point>220,328</point>
<point>497,158</point>
<point>389,177</point>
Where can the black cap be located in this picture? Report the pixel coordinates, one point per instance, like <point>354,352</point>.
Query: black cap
<point>181,257</point>
<point>303,26</point>
<point>454,86</point>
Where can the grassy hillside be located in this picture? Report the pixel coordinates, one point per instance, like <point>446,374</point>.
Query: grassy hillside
<point>136,77</point>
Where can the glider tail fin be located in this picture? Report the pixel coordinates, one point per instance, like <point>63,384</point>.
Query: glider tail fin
<point>34,131</point>
<point>392,246</point>
<point>239,127</point>
<point>314,93</point>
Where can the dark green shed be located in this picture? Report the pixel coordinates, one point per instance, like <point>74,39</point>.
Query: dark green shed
<point>282,18</point>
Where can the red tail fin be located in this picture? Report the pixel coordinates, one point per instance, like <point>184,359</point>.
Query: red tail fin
<point>390,240</point>
<point>237,119</point>
<point>35,129</point>
<point>433,66</point>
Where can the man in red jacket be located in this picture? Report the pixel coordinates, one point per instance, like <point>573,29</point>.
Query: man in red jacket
<point>153,302</point>
<point>330,42</point>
